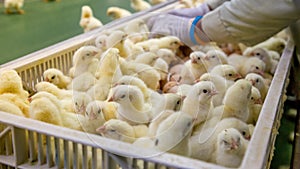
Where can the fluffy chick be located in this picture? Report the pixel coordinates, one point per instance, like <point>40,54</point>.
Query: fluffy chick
<point>84,60</point>
<point>87,21</point>
<point>254,106</point>
<point>203,140</point>
<point>220,84</point>
<point>169,42</point>
<point>258,81</point>
<point>245,65</point>
<point>57,77</point>
<point>214,57</point>
<point>121,130</point>
<point>193,68</point>
<point>236,100</point>
<point>51,88</point>
<point>148,74</point>
<point>139,5</point>
<point>230,148</point>
<point>228,72</point>
<point>11,82</point>
<point>11,108</point>
<point>13,4</point>
<point>137,30</point>
<point>131,104</point>
<point>198,102</point>
<point>117,12</point>
<point>22,104</point>
<point>274,43</point>
<point>177,126</point>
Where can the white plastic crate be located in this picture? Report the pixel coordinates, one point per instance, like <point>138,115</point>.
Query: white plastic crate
<point>23,137</point>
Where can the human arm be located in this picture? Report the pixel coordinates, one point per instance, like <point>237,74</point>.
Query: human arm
<point>248,22</point>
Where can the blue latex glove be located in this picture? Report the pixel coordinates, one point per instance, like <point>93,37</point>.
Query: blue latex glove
<point>166,24</point>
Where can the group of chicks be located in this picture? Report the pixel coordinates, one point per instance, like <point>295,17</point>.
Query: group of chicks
<point>202,103</point>
<point>89,22</point>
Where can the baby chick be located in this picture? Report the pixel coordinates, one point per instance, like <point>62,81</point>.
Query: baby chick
<point>228,72</point>
<point>11,108</point>
<point>169,42</point>
<point>11,82</point>
<point>203,140</point>
<point>214,57</point>
<point>147,73</point>
<point>137,30</point>
<point>87,21</point>
<point>13,4</point>
<point>220,84</point>
<point>117,12</point>
<point>230,148</point>
<point>139,5</point>
<point>198,102</point>
<point>177,126</point>
<point>56,77</point>
<point>154,2</point>
<point>84,60</point>
<point>193,68</point>
<point>51,88</point>
<point>258,81</point>
<point>131,104</point>
<point>236,100</point>
<point>22,104</point>
<point>254,105</point>
<point>121,130</point>
<point>274,43</point>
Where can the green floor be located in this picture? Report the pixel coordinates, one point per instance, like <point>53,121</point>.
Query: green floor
<point>44,24</point>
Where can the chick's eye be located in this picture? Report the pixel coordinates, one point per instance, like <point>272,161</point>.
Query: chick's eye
<point>113,130</point>
<point>99,111</point>
<point>53,77</point>
<point>225,142</point>
<point>257,54</point>
<point>243,133</point>
<point>256,67</point>
<point>204,91</point>
<point>229,74</point>
<point>123,96</point>
<point>213,56</point>
<point>198,58</point>
<point>252,98</point>
<point>257,80</point>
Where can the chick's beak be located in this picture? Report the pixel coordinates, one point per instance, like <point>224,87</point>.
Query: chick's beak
<point>214,92</point>
<point>111,99</point>
<point>258,101</point>
<point>234,145</point>
<point>47,79</point>
<point>238,76</point>
<point>101,129</point>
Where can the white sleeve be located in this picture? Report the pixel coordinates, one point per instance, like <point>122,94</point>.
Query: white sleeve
<point>249,21</point>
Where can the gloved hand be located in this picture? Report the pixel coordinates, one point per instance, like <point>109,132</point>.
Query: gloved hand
<point>166,24</point>
<point>199,10</point>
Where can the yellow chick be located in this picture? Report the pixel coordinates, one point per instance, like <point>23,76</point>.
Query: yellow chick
<point>203,140</point>
<point>11,108</point>
<point>228,72</point>
<point>116,39</point>
<point>177,126</point>
<point>11,82</point>
<point>148,74</point>
<point>13,4</point>
<point>274,43</point>
<point>43,109</point>
<point>137,30</point>
<point>154,124</point>
<point>131,106</point>
<point>258,81</point>
<point>213,58</point>
<point>169,42</point>
<point>230,148</point>
<point>254,105</point>
<point>198,103</point>
<point>51,88</point>
<point>87,21</point>
<point>121,130</point>
<point>56,77</point>
<point>84,60</point>
<point>23,104</point>
<point>193,68</point>
<point>117,12</point>
<point>236,100</point>
<point>139,5</point>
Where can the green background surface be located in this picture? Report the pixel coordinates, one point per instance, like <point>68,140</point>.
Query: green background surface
<point>47,23</point>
